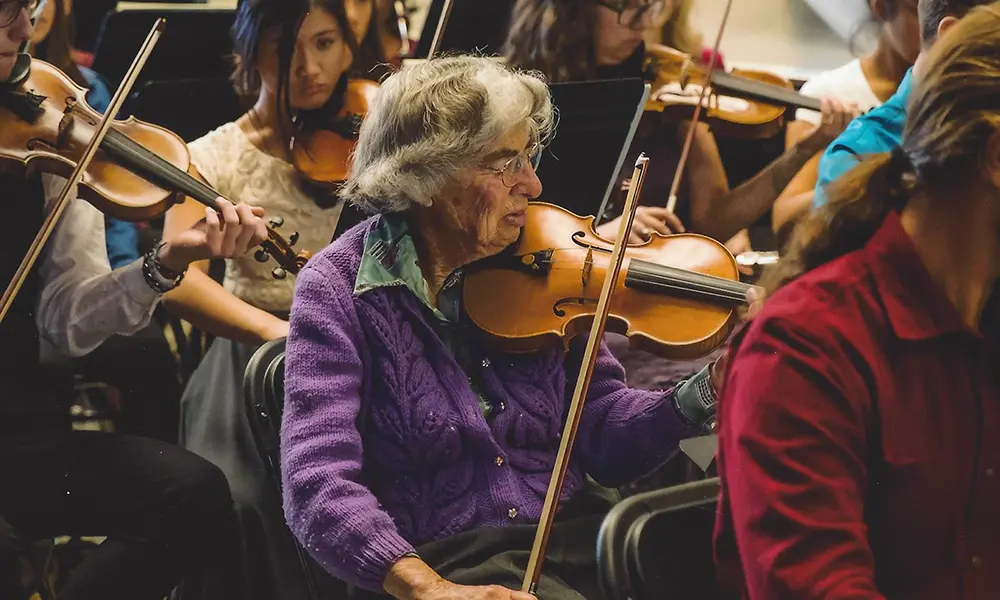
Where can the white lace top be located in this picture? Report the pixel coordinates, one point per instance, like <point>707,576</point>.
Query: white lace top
<point>231,164</point>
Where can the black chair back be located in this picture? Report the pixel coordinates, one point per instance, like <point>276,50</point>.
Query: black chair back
<point>659,545</point>
<point>264,398</point>
<point>264,395</point>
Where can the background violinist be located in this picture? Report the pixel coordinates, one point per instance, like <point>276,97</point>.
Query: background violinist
<point>166,512</point>
<point>140,366</point>
<point>293,60</point>
<point>570,40</point>
<point>867,81</point>
<point>881,129</point>
<point>415,458</point>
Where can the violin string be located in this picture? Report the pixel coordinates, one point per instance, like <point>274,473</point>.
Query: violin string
<point>686,286</point>
<point>736,289</point>
<point>143,158</point>
<point>693,285</point>
<point>686,275</point>
<point>155,165</point>
<point>702,295</point>
<point>678,275</point>
<point>736,293</point>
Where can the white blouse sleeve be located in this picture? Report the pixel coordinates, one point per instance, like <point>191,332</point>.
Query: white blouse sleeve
<point>83,301</point>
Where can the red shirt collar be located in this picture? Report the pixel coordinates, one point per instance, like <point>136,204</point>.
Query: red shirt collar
<point>916,306</point>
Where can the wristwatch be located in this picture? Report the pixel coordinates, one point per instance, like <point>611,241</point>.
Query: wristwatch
<point>695,398</point>
<point>158,277</point>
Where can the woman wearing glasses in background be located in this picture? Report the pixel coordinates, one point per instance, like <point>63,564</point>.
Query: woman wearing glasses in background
<point>569,40</point>
<point>573,40</point>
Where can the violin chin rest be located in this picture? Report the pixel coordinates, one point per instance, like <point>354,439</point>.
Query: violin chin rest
<point>20,72</point>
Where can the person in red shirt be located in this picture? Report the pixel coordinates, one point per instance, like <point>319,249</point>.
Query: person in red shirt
<point>859,422</point>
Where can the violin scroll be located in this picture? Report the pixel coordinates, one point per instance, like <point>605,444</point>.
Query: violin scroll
<point>282,250</point>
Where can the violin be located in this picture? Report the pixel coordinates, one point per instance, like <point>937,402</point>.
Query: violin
<point>752,103</point>
<point>676,295</point>
<point>322,153</point>
<point>139,170</point>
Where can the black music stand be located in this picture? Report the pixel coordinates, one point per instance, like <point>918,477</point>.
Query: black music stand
<point>597,121</point>
<point>474,26</point>
<point>578,170</point>
<point>195,44</point>
<point>188,107</point>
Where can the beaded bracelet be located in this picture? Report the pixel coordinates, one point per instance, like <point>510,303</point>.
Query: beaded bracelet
<point>158,277</point>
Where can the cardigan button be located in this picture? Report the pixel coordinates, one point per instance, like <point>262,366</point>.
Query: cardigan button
<point>486,363</point>
<point>990,472</point>
<point>499,461</point>
<point>977,563</point>
<point>512,513</point>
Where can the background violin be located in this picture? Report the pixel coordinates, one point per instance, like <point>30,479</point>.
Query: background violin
<point>676,295</point>
<point>321,151</point>
<point>46,124</point>
<point>743,103</point>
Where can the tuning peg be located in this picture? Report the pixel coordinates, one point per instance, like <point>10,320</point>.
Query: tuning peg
<point>279,273</point>
<point>293,238</point>
<point>276,222</point>
<point>261,256</point>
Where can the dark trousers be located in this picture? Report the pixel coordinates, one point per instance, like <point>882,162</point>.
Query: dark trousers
<point>143,369</point>
<point>499,555</point>
<point>167,513</point>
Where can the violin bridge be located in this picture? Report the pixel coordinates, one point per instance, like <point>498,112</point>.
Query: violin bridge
<point>588,268</point>
<point>65,128</point>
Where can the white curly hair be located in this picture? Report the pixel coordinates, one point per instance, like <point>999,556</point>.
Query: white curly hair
<point>433,119</point>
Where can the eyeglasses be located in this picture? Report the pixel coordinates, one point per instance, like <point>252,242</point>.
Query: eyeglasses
<point>10,10</point>
<point>636,13</point>
<point>512,170</point>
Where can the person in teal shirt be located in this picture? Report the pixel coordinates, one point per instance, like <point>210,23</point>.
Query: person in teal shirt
<point>881,129</point>
<point>121,237</point>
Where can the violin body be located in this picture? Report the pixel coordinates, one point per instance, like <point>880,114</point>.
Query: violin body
<point>675,297</point>
<point>677,80</point>
<point>322,155</point>
<point>140,170</point>
<point>55,139</point>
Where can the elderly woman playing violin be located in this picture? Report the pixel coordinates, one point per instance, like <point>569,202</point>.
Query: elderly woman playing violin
<point>415,460</point>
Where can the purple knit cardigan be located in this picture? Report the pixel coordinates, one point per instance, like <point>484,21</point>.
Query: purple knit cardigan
<point>384,446</point>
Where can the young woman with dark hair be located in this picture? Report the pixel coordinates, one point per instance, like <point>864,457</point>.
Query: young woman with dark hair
<point>293,59</point>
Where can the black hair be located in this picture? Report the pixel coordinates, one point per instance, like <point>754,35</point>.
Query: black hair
<point>933,11</point>
<point>253,19</point>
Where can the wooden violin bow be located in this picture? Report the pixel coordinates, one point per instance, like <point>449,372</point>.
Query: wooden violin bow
<point>675,185</point>
<point>439,32</point>
<point>554,492</point>
<point>57,208</point>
